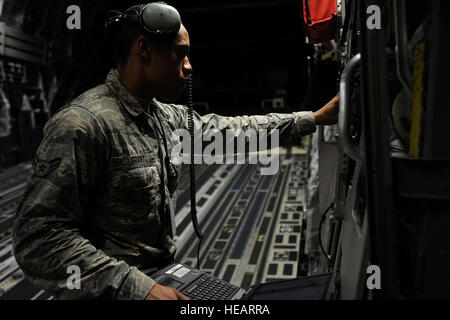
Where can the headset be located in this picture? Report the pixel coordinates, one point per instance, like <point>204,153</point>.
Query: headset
<point>161,20</point>
<point>158,19</point>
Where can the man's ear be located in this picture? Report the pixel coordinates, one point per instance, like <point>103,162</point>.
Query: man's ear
<point>143,46</point>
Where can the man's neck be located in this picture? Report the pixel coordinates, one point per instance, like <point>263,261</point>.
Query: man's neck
<point>132,80</point>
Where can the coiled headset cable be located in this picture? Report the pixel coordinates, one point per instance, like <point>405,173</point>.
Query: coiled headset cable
<point>322,220</point>
<point>192,168</point>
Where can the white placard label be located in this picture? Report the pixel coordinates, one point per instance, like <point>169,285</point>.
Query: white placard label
<point>181,272</point>
<point>173,269</point>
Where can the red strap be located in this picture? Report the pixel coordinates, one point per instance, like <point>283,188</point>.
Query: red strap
<point>316,11</point>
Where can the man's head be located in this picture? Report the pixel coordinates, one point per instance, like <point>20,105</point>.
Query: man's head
<point>158,65</point>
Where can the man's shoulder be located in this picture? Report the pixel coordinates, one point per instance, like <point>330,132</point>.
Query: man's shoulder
<point>175,112</point>
<point>169,106</point>
<point>97,101</point>
<point>94,104</point>
<point>85,111</point>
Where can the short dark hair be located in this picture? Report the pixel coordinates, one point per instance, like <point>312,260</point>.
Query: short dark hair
<point>127,31</point>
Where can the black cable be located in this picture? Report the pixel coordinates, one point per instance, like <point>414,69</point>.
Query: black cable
<point>198,252</point>
<point>320,232</point>
<point>192,168</point>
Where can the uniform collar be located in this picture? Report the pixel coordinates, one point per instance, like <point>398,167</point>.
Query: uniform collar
<point>131,103</point>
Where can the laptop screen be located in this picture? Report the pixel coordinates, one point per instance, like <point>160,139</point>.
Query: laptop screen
<point>307,288</point>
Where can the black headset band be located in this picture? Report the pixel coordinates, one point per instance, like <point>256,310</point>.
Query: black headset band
<point>169,25</point>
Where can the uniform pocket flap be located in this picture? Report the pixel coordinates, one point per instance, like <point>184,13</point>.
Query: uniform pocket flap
<point>134,161</point>
<point>135,172</point>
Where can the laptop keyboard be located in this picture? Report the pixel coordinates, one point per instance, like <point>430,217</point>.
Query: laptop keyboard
<point>210,288</point>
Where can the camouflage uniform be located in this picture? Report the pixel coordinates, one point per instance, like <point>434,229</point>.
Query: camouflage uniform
<point>94,197</point>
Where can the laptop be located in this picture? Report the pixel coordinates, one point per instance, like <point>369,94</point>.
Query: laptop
<point>196,284</point>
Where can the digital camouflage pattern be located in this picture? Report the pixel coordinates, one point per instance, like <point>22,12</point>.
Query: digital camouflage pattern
<point>94,197</point>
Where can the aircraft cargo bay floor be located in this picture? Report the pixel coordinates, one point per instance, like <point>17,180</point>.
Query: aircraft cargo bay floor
<point>253,224</point>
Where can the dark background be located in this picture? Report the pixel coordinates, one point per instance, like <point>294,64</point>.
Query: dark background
<point>241,51</point>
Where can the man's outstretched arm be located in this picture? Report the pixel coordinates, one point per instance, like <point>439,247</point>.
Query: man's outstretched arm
<point>329,113</point>
<point>290,125</point>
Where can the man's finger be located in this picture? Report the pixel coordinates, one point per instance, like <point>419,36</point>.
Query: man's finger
<point>181,296</point>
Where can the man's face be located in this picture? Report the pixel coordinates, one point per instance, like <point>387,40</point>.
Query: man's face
<point>170,66</point>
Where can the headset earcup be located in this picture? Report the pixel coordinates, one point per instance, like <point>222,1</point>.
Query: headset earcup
<point>160,19</point>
